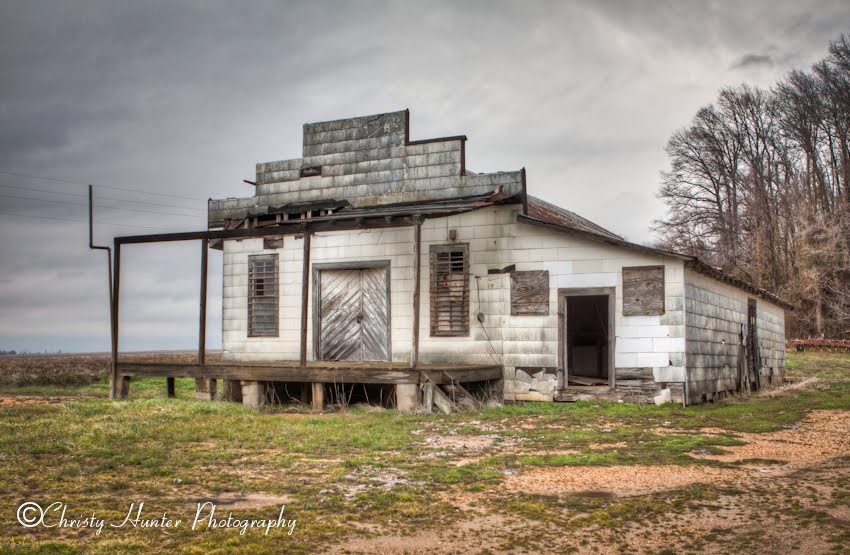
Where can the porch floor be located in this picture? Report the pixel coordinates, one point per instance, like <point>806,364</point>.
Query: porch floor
<point>375,372</point>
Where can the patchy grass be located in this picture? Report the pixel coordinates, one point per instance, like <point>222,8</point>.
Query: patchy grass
<point>817,364</point>
<point>585,509</point>
<point>356,474</point>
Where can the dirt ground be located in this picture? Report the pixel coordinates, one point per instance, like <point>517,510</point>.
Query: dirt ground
<point>769,473</point>
<point>769,502</point>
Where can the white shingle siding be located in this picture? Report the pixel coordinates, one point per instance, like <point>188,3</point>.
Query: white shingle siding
<point>496,240</point>
<point>368,163</point>
<point>715,313</point>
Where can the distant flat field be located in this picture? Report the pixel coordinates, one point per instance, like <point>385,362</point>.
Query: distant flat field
<point>764,474</point>
<point>75,369</point>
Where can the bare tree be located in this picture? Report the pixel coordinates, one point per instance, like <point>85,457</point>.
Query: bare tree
<point>759,185</point>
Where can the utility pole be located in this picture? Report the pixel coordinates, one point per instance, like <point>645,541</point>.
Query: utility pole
<point>113,381</point>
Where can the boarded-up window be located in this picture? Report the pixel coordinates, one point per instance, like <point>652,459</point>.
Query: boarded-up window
<point>449,290</point>
<point>273,242</point>
<point>530,293</point>
<point>262,296</point>
<point>643,291</point>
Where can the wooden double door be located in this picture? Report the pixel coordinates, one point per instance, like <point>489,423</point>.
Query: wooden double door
<point>353,315</point>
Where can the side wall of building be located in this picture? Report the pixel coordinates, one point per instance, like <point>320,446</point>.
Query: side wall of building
<point>715,314</point>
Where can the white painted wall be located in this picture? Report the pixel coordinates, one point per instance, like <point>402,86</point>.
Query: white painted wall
<point>393,244</point>
<point>495,241</point>
<point>655,342</point>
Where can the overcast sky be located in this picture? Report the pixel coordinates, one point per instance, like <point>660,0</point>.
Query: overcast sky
<point>183,98</point>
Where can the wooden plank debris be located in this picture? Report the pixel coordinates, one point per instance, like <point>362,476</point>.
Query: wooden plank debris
<point>585,380</point>
<point>428,396</point>
<point>462,399</point>
<point>443,402</point>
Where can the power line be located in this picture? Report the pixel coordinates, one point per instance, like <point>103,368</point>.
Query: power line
<point>149,193</point>
<point>69,220</point>
<point>43,178</point>
<point>42,191</point>
<point>101,198</point>
<point>102,206</point>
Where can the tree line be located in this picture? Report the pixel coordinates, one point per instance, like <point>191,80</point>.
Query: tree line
<point>759,186</point>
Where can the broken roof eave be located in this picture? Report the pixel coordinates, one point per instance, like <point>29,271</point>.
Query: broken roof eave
<point>691,262</point>
<point>424,209</point>
<point>404,215</point>
<point>699,266</point>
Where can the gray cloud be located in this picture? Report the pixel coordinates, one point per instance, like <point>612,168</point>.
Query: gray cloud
<point>753,60</point>
<point>184,98</point>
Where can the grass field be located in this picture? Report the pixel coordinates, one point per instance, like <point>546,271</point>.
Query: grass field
<point>767,473</point>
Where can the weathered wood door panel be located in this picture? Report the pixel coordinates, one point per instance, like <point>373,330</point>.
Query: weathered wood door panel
<point>753,343</point>
<point>340,315</point>
<point>373,308</point>
<point>353,314</point>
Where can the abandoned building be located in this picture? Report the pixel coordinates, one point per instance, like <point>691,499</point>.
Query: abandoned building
<point>381,261</point>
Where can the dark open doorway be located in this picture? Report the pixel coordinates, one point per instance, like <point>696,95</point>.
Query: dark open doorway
<point>587,340</point>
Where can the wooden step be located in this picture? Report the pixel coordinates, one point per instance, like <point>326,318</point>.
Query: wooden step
<point>587,380</point>
<point>460,396</point>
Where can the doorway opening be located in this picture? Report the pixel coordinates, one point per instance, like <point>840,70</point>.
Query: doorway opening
<point>588,328</point>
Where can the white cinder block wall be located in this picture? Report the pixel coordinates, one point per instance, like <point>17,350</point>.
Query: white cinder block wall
<point>236,345</point>
<point>715,313</point>
<point>655,342</point>
<point>709,346</point>
<point>495,240</point>
<point>393,244</point>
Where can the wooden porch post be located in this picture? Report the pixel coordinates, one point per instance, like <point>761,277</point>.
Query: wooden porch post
<point>202,323</point>
<point>305,288</point>
<point>417,270</point>
<point>204,387</point>
<point>318,388</point>
<point>119,385</point>
<point>318,397</point>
